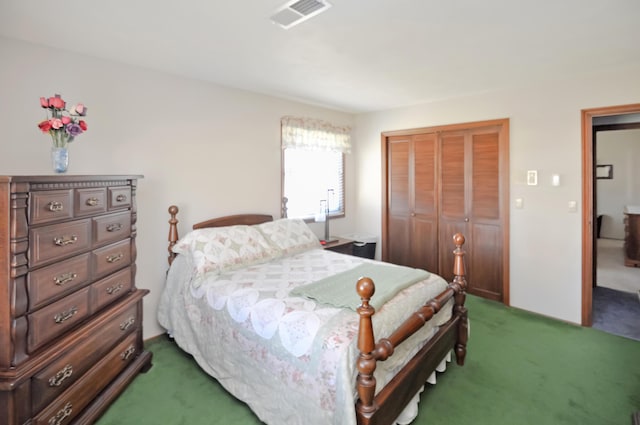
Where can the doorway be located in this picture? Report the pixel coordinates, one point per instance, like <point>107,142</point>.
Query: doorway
<point>589,219</point>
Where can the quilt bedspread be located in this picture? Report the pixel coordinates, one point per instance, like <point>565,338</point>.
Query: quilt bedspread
<point>291,359</point>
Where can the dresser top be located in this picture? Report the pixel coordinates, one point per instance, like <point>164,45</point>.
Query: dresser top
<point>67,178</point>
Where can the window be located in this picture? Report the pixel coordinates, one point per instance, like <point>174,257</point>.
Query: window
<point>313,166</point>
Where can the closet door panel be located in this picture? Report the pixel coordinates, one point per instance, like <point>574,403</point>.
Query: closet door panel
<point>398,223</point>
<point>453,184</point>
<point>485,187</point>
<point>399,177</point>
<point>424,244</point>
<point>424,215</point>
<point>486,261</point>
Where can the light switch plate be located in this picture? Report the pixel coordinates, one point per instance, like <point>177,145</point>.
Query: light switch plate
<point>573,206</point>
<point>532,177</point>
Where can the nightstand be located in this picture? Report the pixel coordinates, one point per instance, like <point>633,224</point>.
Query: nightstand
<point>341,245</point>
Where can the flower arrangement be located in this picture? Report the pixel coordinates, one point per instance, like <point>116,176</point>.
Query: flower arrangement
<point>64,124</point>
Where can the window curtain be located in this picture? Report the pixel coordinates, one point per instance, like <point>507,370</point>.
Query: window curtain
<point>314,134</point>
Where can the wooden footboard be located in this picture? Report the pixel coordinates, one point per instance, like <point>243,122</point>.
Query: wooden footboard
<point>383,408</point>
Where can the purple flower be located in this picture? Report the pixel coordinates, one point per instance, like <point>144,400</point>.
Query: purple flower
<point>73,129</point>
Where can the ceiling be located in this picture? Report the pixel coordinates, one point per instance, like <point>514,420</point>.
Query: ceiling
<point>357,56</point>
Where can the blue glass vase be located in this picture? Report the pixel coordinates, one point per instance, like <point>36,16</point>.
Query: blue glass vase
<point>59,159</point>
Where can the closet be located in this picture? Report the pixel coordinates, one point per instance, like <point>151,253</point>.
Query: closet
<point>442,180</point>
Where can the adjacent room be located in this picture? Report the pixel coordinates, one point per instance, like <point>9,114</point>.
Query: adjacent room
<point>191,193</point>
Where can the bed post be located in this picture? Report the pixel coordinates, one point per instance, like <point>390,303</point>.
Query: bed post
<point>366,383</point>
<point>460,297</point>
<point>173,232</point>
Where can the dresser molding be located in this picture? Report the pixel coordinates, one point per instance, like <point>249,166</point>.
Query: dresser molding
<point>70,313</point>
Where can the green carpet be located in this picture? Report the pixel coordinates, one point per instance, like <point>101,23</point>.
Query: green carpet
<point>521,369</point>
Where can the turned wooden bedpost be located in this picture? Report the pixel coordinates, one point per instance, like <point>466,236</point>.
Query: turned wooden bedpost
<point>366,383</point>
<point>460,297</point>
<point>173,231</point>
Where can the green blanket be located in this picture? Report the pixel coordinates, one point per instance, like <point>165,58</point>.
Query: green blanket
<point>340,290</point>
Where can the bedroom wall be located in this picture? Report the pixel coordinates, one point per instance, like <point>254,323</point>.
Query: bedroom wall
<point>545,135</point>
<point>620,148</point>
<point>211,150</point>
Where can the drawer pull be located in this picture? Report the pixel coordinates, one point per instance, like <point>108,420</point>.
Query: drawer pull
<point>63,414</point>
<point>64,278</point>
<point>130,351</point>
<point>114,289</point>
<point>55,206</point>
<point>114,227</point>
<point>121,198</point>
<point>61,241</point>
<point>65,315</point>
<point>61,376</point>
<point>115,258</point>
<point>92,202</point>
<point>127,323</point>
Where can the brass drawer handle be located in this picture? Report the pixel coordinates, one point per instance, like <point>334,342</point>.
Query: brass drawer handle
<point>127,323</point>
<point>55,206</point>
<point>114,227</point>
<point>64,278</point>
<point>61,376</point>
<point>65,315</point>
<point>131,350</point>
<point>114,289</point>
<point>63,414</point>
<point>115,258</point>
<point>92,202</point>
<point>61,241</point>
<point>121,198</point>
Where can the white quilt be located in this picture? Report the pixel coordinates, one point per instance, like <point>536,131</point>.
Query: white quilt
<point>290,359</point>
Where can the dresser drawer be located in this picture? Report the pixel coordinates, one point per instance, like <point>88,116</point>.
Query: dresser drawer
<point>119,197</point>
<point>110,288</point>
<point>77,397</point>
<point>111,228</point>
<point>50,206</point>
<point>111,258</point>
<point>56,241</point>
<point>90,201</point>
<point>50,283</point>
<point>53,320</point>
<point>68,368</point>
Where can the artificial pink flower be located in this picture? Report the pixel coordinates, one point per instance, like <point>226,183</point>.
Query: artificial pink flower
<point>56,102</point>
<point>83,125</point>
<point>45,125</point>
<point>78,109</point>
<point>56,123</point>
<point>65,119</point>
<point>43,102</point>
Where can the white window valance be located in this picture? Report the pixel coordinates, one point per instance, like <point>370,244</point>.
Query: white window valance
<point>314,134</point>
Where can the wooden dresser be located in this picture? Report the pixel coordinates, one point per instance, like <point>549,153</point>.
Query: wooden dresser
<point>632,237</point>
<point>70,314</point>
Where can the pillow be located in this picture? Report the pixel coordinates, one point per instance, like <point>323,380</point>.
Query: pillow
<point>289,235</point>
<point>220,249</point>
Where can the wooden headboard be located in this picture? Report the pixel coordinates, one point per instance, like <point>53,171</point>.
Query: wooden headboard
<point>229,220</point>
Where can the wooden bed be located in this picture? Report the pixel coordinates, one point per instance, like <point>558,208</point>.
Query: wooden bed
<point>383,406</point>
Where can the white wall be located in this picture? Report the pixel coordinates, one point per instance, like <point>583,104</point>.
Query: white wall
<point>545,238</point>
<point>620,148</point>
<point>209,149</point>
<point>213,151</point>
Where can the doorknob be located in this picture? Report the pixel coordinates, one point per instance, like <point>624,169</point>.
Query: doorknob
<point>466,219</point>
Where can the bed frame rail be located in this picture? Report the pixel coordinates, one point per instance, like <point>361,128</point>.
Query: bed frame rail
<point>386,406</point>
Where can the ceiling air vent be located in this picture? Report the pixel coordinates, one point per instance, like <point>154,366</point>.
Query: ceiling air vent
<point>298,11</point>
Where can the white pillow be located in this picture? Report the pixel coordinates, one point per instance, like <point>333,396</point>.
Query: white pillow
<point>220,249</point>
<point>289,235</point>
